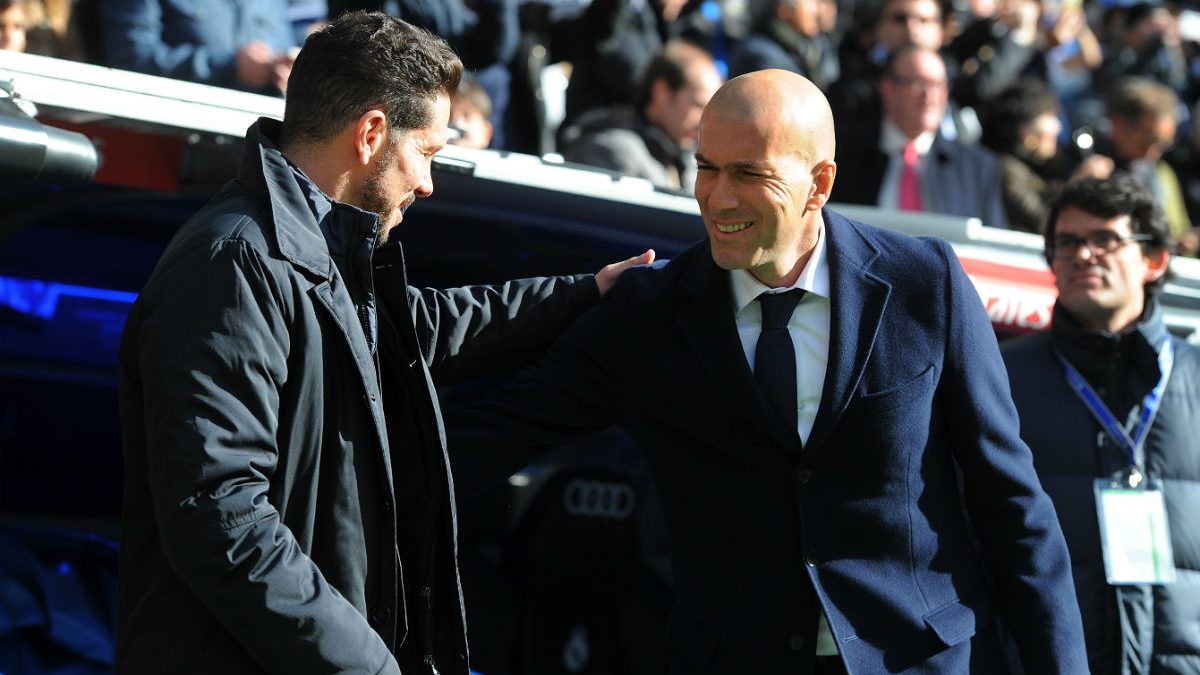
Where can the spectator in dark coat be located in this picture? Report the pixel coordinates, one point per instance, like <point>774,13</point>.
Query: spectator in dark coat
<point>1109,327</point>
<point>953,177</point>
<point>1022,127</point>
<point>790,38</point>
<point>240,44</point>
<point>655,137</point>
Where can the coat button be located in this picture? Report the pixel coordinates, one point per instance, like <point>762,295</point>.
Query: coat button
<point>811,559</point>
<point>803,476</point>
<point>385,508</point>
<point>379,615</point>
<point>796,642</point>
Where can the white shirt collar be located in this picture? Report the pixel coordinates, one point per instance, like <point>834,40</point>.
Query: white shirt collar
<point>814,278</point>
<point>892,140</point>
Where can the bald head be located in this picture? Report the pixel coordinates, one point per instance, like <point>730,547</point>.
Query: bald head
<point>782,106</point>
<point>764,171</point>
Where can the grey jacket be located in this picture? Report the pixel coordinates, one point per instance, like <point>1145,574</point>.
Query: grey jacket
<point>621,139</point>
<point>288,506</point>
<point>1130,630</point>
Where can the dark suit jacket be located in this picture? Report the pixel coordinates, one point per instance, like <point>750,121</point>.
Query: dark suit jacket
<point>961,180</point>
<point>915,429</point>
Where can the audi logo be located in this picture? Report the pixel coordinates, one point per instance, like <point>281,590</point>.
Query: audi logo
<point>596,499</point>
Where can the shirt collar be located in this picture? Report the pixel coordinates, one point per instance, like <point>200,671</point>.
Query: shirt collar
<point>892,140</point>
<point>814,278</point>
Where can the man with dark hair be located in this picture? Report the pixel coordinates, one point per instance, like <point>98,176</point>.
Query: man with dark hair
<point>1109,406</point>
<point>288,506</point>
<point>1143,117</point>
<point>653,138</point>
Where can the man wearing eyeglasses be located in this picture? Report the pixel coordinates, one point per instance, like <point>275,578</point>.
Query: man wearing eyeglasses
<point>905,162</point>
<point>1109,403</point>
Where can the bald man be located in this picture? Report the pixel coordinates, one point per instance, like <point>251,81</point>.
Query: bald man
<point>856,501</point>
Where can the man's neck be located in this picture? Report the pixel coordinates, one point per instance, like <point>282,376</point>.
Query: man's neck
<point>1111,323</point>
<point>321,170</point>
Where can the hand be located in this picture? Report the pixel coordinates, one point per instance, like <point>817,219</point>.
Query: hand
<point>607,276</point>
<point>255,65</point>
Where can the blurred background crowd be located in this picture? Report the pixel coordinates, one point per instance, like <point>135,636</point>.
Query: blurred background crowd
<point>977,108</point>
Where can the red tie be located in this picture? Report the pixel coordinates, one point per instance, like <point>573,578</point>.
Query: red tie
<point>910,184</point>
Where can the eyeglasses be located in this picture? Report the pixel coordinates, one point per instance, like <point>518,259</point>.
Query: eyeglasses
<point>1099,242</point>
<point>918,83</point>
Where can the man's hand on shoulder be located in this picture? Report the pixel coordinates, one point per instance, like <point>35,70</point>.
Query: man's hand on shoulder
<point>607,276</point>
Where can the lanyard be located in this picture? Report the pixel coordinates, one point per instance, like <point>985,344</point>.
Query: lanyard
<point>1132,444</point>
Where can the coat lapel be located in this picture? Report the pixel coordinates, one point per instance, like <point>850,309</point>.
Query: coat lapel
<point>706,319</point>
<point>857,305</point>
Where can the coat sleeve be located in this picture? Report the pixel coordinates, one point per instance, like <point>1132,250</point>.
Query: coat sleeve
<point>1012,515</point>
<point>213,355</point>
<point>476,330</point>
<point>574,391</point>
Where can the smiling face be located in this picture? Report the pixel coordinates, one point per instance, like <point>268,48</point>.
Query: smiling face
<point>1104,292</point>
<point>763,174</point>
<point>401,170</point>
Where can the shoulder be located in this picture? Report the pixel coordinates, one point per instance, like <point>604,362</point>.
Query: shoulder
<point>662,281</point>
<point>230,225</point>
<point>967,154</point>
<point>886,249</point>
<point>1027,348</point>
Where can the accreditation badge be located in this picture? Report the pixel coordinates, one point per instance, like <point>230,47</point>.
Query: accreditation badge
<point>1133,533</point>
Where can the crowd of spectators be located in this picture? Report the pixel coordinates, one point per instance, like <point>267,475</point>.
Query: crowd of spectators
<point>1027,94</point>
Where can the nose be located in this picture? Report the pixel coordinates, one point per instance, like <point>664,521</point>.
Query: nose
<point>721,195</point>
<point>1084,252</point>
<point>425,185</point>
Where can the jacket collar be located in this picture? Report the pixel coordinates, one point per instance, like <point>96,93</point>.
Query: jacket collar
<point>858,298</point>
<point>1091,353</point>
<point>308,226</point>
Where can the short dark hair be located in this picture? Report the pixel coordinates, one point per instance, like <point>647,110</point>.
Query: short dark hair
<point>364,60</point>
<point>1004,117</point>
<point>1133,96</point>
<point>671,66</point>
<point>1112,197</point>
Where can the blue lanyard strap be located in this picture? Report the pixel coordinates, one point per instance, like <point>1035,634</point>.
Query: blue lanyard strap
<point>1132,444</point>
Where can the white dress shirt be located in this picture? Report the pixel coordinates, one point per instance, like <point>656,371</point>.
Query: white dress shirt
<point>891,143</point>
<point>809,328</point>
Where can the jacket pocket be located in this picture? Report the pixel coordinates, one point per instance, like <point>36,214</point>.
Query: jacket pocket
<point>894,394</point>
<point>692,639</point>
<point>952,623</point>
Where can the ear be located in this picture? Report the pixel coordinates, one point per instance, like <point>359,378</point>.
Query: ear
<point>823,174</point>
<point>370,134</point>
<point>660,93</point>
<point>1156,264</point>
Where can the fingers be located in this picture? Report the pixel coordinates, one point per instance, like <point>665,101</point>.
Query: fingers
<point>606,277</point>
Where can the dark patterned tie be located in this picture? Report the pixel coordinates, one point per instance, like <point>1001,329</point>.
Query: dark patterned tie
<point>775,356</point>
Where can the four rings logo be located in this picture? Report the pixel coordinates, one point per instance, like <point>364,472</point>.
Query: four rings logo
<point>595,499</point>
